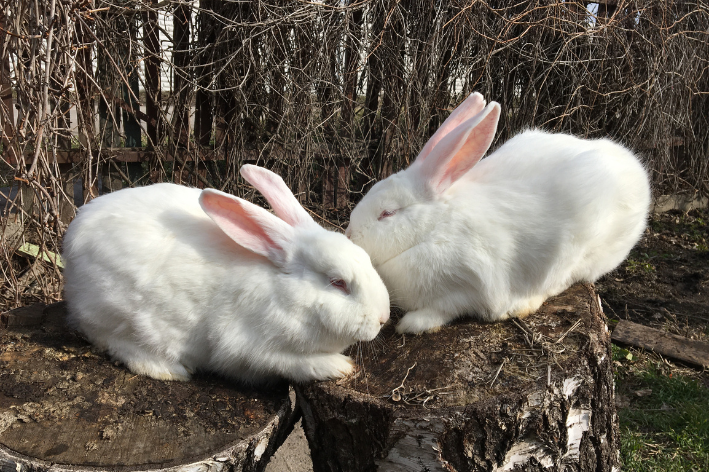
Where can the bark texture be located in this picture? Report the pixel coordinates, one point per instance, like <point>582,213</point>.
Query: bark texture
<point>520,395</point>
<point>65,407</point>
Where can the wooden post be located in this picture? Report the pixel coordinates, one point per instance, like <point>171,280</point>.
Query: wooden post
<point>606,9</point>
<point>371,132</point>
<point>61,103</point>
<point>279,45</point>
<point>328,186</point>
<point>153,93</point>
<point>84,83</point>
<point>182,21</point>
<point>109,114</point>
<point>335,185</point>
<point>301,75</point>
<point>354,33</point>
<point>7,113</point>
<point>532,394</point>
<point>342,191</point>
<point>131,127</point>
<point>392,98</point>
<point>203,120</point>
<point>374,85</point>
<point>66,407</point>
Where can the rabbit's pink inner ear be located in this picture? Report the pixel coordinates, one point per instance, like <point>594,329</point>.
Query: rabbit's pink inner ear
<point>461,149</point>
<point>248,225</point>
<point>470,107</point>
<point>279,196</point>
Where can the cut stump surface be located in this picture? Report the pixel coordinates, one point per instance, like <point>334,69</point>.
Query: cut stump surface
<point>535,394</point>
<point>65,407</point>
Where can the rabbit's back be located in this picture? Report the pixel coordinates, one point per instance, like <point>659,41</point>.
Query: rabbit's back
<point>571,209</point>
<point>143,267</point>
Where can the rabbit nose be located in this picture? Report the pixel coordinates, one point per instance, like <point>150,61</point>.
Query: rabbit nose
<point>383,318</point>
<point>348,233</point>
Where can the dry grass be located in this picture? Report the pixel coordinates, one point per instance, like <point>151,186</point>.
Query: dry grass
<point>305,88</point>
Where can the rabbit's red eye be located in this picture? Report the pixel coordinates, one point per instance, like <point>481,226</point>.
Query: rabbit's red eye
<point>340,284</point>
<point>386,214</point>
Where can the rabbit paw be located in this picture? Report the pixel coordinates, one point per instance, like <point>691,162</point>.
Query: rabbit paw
<point>324,367</point>
<point>420,321</point>
<point>160,370</point>
<point>526,307</point>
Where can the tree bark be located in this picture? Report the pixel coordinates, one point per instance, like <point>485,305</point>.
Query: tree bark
<point>532,395</point>
<point>64,407</point>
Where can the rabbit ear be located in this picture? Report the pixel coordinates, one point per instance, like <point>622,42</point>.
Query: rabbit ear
<point>470,107</point>
<point>460,149</point>
<point>248,225</point>
<point>282,200</point>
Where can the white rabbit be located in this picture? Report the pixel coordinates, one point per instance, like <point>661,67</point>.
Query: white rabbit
<point>170,279</point>
<point>452,236</point>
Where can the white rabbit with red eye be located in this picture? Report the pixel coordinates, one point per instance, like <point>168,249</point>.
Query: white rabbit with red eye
<point>454,235</point>
<point>171,279</point>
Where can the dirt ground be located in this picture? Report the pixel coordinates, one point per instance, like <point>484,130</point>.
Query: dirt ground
<point>664,283</point>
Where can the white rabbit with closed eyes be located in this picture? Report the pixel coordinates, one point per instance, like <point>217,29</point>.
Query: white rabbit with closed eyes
<point>171,279</point>
<point>455,235</point>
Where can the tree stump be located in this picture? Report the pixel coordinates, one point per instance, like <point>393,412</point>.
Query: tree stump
<point>65,407</point>
<point>533,394</point>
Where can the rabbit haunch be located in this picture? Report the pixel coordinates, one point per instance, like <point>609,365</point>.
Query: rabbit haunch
<point>452,236</point>
<point>170,279</point>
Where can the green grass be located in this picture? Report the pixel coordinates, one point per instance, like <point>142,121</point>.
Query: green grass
<point>667,430</point>
<point>691,227</point>
<point>639,263</point>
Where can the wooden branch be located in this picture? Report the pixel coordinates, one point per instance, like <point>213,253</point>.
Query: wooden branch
<point>661,342</point>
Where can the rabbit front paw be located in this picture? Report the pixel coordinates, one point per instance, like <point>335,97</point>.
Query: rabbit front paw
<point>324,367</point>
<point>160,370</point>
<point>526,307</point>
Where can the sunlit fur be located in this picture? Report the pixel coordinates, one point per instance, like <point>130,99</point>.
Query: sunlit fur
<point>152,279</point>
<point>542,212</point>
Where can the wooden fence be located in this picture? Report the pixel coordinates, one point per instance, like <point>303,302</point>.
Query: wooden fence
<point>331,94</point>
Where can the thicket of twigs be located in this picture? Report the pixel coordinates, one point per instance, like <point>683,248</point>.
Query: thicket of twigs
<point>332,94</point>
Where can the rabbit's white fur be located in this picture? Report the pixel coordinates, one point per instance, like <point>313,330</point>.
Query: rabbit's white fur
<point>171,279</point>
<point>452,237</point>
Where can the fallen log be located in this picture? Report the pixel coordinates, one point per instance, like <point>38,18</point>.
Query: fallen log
<point>668,344</point>
<point>532,394</point>
<point>64,406</point>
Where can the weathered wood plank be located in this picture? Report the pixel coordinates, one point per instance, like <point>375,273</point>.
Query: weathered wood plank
<point>153,89</point>
<point>7,114</point>
<point>23,316</point>
<point>667,344</point>
<point>131,155</point>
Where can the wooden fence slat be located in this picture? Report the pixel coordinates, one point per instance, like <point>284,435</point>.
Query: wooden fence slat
<point>182,23</point>
<point>203,120</point>
<point>84,86</point>
<point>7,114</point>
<point>354,31</point>
<point>153,93</point>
